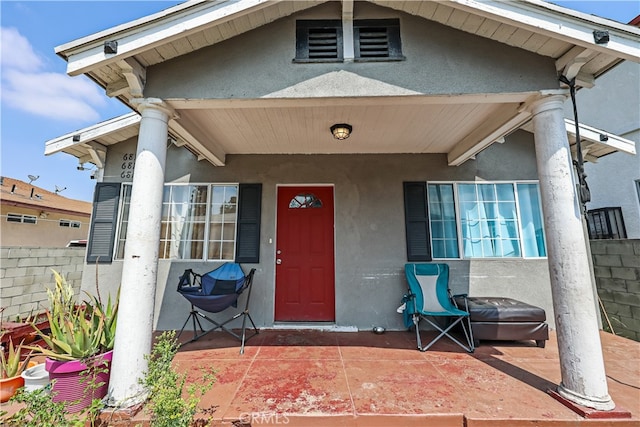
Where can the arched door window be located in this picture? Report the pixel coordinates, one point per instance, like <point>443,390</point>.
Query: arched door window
<point>302,201</point>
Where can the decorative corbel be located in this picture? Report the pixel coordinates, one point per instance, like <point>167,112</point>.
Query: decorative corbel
<point>135,75</point>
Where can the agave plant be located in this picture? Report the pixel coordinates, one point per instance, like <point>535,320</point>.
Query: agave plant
<point>11,365</point>
<point>78,331</point>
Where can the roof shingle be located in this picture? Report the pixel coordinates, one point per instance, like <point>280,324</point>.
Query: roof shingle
<point>19,193</point>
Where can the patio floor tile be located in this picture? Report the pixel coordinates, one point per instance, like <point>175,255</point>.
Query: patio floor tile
<point>312,378</point>
<point>305,387</point>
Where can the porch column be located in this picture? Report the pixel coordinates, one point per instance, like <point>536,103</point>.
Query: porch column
<point>581,363</point>
<point>139,271</point>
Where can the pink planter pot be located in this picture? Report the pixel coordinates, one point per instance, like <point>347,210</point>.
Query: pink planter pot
<point>74,385</point>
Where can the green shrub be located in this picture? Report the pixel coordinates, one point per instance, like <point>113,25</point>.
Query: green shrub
<point>166,386</point>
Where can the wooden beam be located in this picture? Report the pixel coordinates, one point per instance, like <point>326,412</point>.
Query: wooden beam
<point>490,132</point>
<point>216,159</point>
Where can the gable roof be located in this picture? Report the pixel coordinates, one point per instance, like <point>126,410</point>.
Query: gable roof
<point>14,192</point>
<point>532,25</point>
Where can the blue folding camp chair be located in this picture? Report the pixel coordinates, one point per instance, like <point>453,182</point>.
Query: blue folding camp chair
<point>214,292</point>
<point>428,298</point>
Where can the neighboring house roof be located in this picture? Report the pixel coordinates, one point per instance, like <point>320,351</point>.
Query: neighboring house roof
<point>473,121</point>
<point>14,192</point>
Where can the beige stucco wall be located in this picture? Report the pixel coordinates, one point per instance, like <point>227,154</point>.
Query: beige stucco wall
<point>46,232</point>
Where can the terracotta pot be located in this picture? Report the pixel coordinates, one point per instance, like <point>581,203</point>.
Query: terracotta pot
<point>72,382</point>
<point>9,386</point>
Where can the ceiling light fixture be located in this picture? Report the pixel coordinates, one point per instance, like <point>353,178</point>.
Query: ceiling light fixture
<point>341,131</point>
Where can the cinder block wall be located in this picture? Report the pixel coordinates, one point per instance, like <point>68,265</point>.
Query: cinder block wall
<point>25,274</point>
<point>616,264</point>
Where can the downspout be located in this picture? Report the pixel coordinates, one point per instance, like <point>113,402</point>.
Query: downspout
<point>583,192</point>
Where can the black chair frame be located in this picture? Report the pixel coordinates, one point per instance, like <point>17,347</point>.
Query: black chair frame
<point>195,315</point>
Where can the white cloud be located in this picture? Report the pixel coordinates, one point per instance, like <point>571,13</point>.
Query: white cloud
<point>17,52</point>
<point>26,87</point>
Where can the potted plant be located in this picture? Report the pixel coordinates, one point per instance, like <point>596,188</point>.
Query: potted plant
<point>35,377</point>
<point>79,345</point>
<point>11,366</point>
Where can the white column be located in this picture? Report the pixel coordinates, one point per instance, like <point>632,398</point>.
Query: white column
<point>581,364</point>
<point>140,267</point>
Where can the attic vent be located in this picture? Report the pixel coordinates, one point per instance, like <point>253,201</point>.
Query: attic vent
<point>377,39</point>
<point>373,43</point>
<point>323,43</point>
<point>318,41</point>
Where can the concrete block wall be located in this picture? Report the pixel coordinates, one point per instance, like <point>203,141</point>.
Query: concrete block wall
<point>616,264</point>
<point>25,275</point>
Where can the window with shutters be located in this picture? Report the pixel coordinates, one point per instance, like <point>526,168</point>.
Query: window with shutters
<point>473,220</point>
<point>203,222</point>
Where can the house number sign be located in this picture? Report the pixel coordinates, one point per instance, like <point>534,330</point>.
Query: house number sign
<point>128,162</point>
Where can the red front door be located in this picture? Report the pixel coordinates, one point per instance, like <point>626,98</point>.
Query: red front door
<point>304,255</point>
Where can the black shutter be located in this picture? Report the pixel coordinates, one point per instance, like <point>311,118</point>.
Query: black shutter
<point>248,239</point>
<point>416,219</point>
<point>103,222</point>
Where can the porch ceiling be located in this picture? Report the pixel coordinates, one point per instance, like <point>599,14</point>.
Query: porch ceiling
<point>380,125</point>
<point>416,124</point>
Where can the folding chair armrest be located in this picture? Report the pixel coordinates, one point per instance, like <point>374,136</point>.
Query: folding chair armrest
<point>466,301</point>
<point>408,297</point>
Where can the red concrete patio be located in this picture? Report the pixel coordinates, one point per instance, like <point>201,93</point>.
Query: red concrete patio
<point>315,378</point>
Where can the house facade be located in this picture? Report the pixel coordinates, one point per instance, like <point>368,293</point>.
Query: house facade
<point>614,180</point>
<point>33,216</point>
<point>457,152</point>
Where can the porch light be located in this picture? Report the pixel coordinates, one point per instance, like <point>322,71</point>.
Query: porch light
<point>341,131</point>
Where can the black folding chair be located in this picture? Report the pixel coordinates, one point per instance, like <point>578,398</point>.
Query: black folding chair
<point>214,292</point>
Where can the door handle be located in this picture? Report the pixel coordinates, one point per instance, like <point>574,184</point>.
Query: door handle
<point>278,261</point>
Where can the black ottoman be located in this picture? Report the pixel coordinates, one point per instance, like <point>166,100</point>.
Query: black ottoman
<point>496,318</point>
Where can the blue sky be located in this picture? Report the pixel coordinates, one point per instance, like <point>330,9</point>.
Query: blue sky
<point>40,102</point>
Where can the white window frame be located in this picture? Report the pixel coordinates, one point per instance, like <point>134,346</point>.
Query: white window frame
<point>126,186</point>
<point>22,218</point>
<point>69,223</point>
<point>456,202</point>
